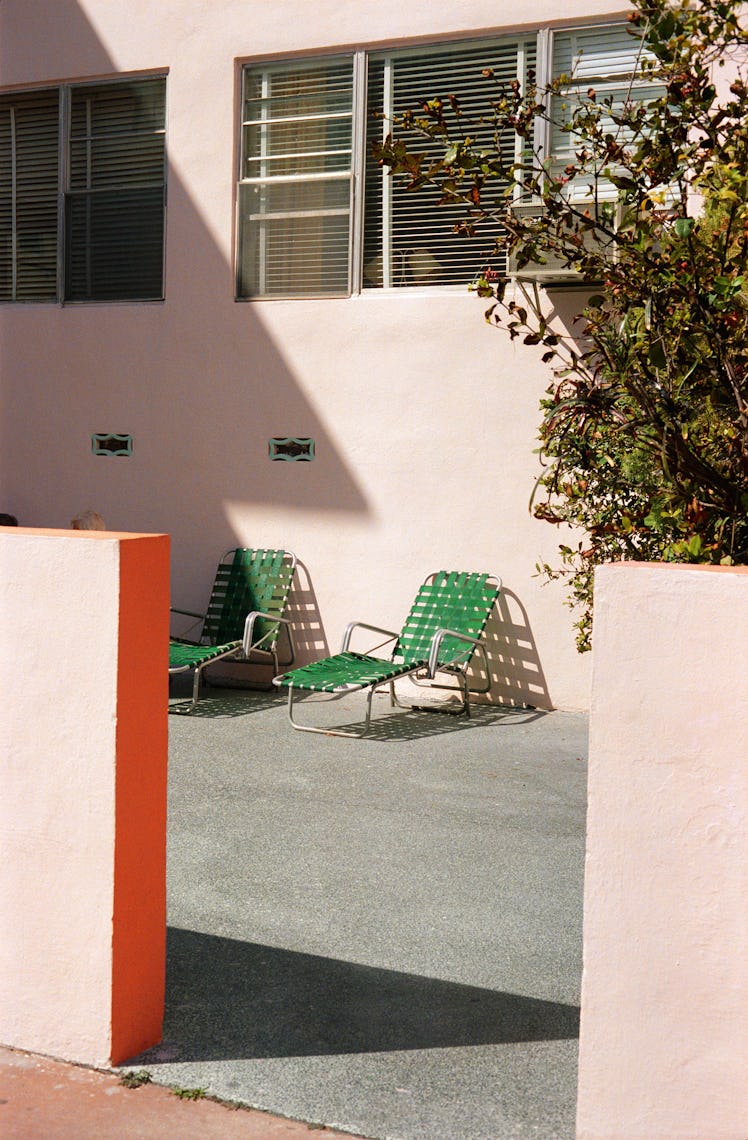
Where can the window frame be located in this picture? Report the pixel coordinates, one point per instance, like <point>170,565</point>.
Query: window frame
<point>544,38</point>
<point>522,46</point>
<point>265,69</point>
<point>64,192</point>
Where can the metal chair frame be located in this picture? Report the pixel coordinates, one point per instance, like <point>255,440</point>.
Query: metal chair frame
<point>422,672</point>
<point>244,647</point>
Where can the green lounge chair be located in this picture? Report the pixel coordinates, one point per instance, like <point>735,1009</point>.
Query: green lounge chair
<point>440,635</point>
<point>245,614</point>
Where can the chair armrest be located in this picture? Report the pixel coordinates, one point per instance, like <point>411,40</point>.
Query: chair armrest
<point>436,642</point>
<point>389,635</point>
<point>249,626</point>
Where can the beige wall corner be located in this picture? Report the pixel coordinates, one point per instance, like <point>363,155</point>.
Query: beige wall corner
<point>664,1048</point>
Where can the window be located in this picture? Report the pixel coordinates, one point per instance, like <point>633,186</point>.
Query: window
<point>308,183</point>
<point>295,191</point>
<point>318,217</point>
<point>82,192</point>
<point>407,241</point>
<point>608,60</point>
<point>29,177</point>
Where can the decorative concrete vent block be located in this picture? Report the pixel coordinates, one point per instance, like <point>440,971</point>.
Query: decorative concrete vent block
<point>104,443</point>
<point>291,449</point>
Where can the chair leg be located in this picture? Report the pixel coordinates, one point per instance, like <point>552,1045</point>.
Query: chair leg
<point>195,687</point>
<point>465,695</point>
<point>462,688</point>
<point>331,731</point>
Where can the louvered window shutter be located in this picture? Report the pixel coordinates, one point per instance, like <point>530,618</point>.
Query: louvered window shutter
<point>114,205</point>
<point>408,238</point>
<point>28,195</point>
<point>295,185</point>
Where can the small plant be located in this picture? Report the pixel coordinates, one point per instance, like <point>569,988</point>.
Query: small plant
<point>190,1094</point>
<point>133,1079</point>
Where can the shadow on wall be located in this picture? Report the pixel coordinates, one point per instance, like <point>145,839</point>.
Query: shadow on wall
<point>196,380</point>
<point>517,677</point>
<point>227,1000</point>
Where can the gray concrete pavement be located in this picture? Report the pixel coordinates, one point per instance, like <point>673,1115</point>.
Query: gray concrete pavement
<point>383,936</point>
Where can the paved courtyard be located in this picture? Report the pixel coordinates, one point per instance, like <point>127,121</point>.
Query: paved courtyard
<point>381,935</point>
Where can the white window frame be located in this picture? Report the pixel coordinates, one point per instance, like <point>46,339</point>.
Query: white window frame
<point>544,56</point>
<point>262,180</point>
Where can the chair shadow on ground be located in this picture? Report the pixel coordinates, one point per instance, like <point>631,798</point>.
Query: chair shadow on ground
<point>387,725</point>
<point>219,702</point>
<point>233,1000</point>
<point>398,725</point>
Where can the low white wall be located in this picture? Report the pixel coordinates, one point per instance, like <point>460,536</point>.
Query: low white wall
<point>83,671</point>
<point>664,1048</point>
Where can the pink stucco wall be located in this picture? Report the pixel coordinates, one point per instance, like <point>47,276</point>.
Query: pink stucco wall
<point>424,419</point>
<point>664,1047</point>
<point>83,671</point>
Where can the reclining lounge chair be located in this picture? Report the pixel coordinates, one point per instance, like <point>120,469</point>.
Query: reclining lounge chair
<point>440,635</point>
<point>245,614</point>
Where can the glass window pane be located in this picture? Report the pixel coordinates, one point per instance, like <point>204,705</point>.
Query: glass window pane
<point>114,209</point>
<point>408,238</point>
<point>294,197</point>
<point>127,107</point>
<point>105,162</point>
<point>294,148</point>
<point>114,245</point>
<point>298,90</point>
<point>294,239</point>
<point>28,195</point>
<point>607,58</point>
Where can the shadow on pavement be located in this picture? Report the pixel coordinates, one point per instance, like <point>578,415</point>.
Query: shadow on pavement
<point>225,702</point>
<point>391,725</point>
<point>228,999</point>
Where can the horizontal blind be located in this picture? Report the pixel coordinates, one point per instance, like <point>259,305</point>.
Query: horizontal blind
<point>114,208</point>
<point>608,59</point>
<point>295,185</point>
<point>408,238</point>
<point>29,149</point>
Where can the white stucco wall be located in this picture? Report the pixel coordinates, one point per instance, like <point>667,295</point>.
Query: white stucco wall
<point>663,1045</point>
<point>59,615</point>
<point>424,419</point>
<point>83,758</point>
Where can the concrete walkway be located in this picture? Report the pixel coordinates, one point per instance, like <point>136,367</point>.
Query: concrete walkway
<point>41,1099</point>
<point>382,936</point>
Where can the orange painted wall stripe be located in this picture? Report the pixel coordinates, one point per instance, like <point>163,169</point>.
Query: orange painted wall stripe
<point>139,910</point>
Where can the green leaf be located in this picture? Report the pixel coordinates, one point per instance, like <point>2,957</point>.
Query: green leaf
<point>657,357</point>
<point>683,226</point>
